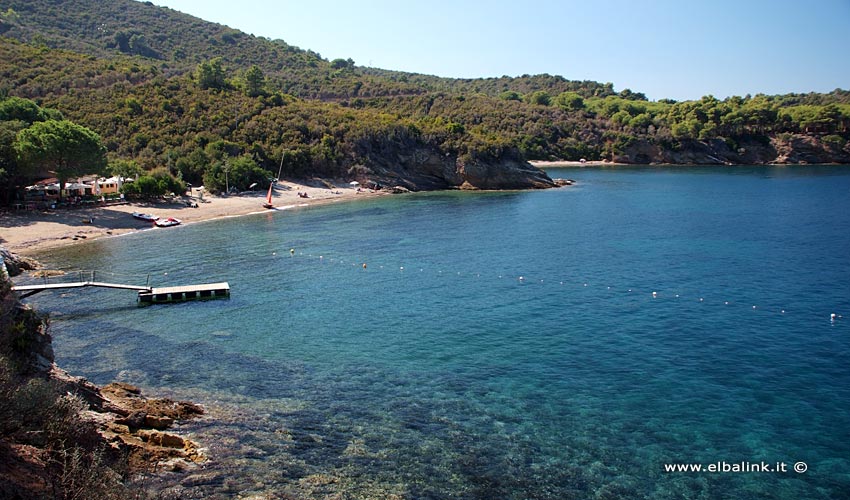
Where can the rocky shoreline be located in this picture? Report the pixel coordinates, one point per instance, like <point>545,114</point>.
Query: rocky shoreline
<point>782,149</point>
<point>112,431</point>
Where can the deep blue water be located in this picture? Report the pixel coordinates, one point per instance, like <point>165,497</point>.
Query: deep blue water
<point>501,345</point>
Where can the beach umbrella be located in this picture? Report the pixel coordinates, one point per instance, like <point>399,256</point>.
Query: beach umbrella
<point>354,183</point>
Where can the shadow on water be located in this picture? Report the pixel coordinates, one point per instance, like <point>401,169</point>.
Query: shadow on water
<point>283,425</point>
<point>280,428</point>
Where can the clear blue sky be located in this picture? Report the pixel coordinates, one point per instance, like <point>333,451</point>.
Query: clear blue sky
<point>676,49</point>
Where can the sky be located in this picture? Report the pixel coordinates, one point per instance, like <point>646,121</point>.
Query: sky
<point>679,49</point>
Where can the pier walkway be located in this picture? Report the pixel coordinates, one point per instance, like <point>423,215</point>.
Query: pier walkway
<point>147,293</point>
<point>34,289</point>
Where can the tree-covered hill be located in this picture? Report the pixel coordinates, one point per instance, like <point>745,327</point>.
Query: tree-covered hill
<point>178,42</point>
<point>165,89</point>
<point>158,121</point>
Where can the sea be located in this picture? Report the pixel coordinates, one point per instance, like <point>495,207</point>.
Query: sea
<point>648,332</point>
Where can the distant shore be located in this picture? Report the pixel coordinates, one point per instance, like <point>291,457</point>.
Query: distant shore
<point>570,163</point>
<point>27,232</point>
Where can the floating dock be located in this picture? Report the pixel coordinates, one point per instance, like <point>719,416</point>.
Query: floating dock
<point>183,293</point>
<point>147,293</point>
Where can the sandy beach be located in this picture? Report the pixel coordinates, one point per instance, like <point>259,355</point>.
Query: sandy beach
<point>26,232</point>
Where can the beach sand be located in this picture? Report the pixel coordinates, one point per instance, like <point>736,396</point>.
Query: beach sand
<point>25,232</point>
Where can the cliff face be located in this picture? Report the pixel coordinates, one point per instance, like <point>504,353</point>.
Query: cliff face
<point>506,173</point>
<point>755,150</point>
<point>418,166</point>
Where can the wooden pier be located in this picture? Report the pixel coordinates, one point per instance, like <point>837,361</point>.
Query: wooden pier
<point>183,293</point>
<point>27,290</point>
<point>147,293</point>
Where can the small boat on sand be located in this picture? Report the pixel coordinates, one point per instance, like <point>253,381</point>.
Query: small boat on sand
<point>268,203</point>
<point>145,217</point>
<point>171,221</point>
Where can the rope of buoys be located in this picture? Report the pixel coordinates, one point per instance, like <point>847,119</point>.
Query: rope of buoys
<point>655,294</point>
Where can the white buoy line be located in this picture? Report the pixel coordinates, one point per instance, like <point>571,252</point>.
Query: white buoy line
<point>521,279</point>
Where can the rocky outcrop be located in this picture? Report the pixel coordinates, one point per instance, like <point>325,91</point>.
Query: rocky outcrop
<point>134,425</point>
<point>139,425</point>
<point>806,149</point>
<point>505,173</point>
<point>406,161</point>
<point>428,171</point>
<point>752,150</point>
<point>16,264</point>
<point>63,414</point>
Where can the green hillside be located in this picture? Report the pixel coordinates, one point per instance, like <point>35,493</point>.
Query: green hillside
<point>177,42</point>
<point>165,89</point>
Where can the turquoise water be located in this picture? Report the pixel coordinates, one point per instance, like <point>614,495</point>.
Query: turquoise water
<point>500,345</point>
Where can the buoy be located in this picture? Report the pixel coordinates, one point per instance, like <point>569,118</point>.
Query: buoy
<point>832,317</point>
<point>401,268</point>
<point>291,251</point>
<point>364,265</point>
<point>654,294</point>
<point>521,278</point>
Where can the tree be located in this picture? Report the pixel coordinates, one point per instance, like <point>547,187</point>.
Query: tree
<point>122,40</point>
<point>139,46</point>
<point>339,64</point>
<point>191,167</point>
<point>539,97</point>
<point>17,114</point>
<point>255,82</point>
<point>8,160</point>
<point>167,182</point>
<point>17,108</point>
<point>632,96</point>
<point>154,184</point>
<point>241,172</point>
<point>8,19</point>
<point>570,101</point>
<point>61,147</point>
<point>125,169</point>
<point>211,75</point>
